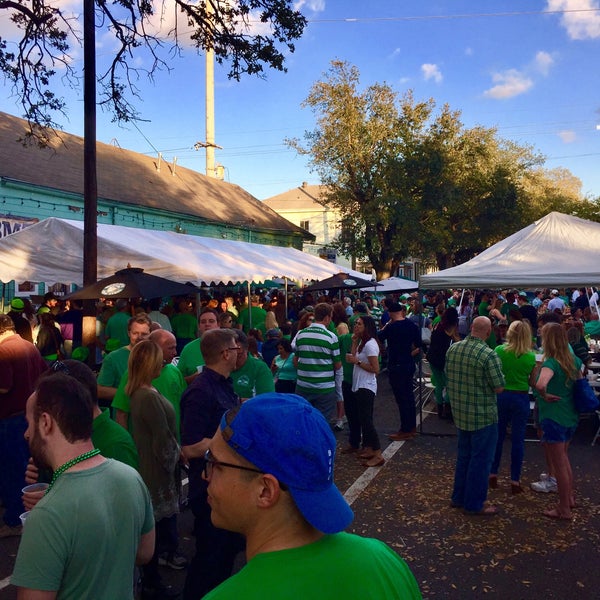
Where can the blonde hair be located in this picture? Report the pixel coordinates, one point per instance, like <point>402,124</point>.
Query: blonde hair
<point>145,362</point>
<point>342,328</point>
<point>518,338</point>
<point>556,346</point>
<point>271,321</point>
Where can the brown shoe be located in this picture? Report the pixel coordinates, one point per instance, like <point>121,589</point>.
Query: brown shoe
<point>402,436</point>
<point>366,452</point>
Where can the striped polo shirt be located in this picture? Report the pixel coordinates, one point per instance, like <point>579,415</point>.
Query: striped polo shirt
<point>317,350</point>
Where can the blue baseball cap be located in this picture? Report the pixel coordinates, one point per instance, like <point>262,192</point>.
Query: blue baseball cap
<point>283,435</point>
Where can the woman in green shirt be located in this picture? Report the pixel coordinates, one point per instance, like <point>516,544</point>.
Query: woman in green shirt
<point>518,363</point>
<point>557,414</point>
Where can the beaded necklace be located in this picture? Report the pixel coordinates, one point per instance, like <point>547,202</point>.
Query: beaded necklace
<point>70,463</point>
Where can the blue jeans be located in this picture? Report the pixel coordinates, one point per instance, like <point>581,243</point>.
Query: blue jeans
<point>473,462</point>
<point>513,408</point>
<point>324,403</point>
<point>14,454</point>
<point>402,386</point>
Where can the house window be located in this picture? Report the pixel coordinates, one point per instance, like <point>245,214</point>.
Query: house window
<point>305,225</point>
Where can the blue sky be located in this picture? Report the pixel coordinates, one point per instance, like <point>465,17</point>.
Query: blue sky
<point>528,68</point>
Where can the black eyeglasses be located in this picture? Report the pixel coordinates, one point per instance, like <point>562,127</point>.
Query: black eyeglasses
<point>210,462</point>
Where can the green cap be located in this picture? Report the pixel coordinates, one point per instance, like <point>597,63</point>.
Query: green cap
<point>17,304</point>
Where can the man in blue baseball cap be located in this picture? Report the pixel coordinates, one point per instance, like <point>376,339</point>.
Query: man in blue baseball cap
<point>269,470</point>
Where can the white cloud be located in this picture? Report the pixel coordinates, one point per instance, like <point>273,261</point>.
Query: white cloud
<point>543,61</point>
<point>568,136</point>
<point>314,5</point>
<point>396,52</point>
<point>431,71</point>
<point>579,25</point>
<point>510,83</point>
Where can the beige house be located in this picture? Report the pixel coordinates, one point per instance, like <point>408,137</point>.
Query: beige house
<point>301,206</point>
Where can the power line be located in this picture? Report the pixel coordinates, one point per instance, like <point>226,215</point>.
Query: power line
<point>459,16</point>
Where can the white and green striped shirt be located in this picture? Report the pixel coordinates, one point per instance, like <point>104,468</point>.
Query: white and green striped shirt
<point>317,350</point>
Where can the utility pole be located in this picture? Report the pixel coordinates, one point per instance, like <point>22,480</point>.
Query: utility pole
<point>90,180</point>
<point>210,102</point>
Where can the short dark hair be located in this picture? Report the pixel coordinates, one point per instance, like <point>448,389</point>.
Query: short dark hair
<point>141,318</point>
<point>68,402</point>
<point>213,342</point>
<point>6,324</point>
<point>323,310</point>
<point>79,371</point>
<point>285,344</point>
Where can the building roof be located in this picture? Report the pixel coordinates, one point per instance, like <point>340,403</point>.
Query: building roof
<point>304,197</point>
<point>131,178</point>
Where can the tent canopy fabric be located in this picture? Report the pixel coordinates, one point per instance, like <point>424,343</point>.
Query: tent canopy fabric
<point>394,284</point>
<point>556,251</point>
<point>52,251</point>
<point>339,281</point>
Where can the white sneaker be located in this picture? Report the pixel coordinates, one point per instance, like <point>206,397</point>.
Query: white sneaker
<point>339,425</point>
<point>545,485</point>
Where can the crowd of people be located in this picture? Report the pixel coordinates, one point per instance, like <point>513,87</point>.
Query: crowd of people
<point>272,377</point>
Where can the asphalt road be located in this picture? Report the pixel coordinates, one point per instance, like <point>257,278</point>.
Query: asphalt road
<point>518,554</point>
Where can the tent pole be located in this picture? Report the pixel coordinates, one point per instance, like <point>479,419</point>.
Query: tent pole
<point>249,308</point>
<point>286,297</point>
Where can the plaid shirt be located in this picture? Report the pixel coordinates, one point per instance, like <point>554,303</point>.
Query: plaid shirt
<point>474,371</point>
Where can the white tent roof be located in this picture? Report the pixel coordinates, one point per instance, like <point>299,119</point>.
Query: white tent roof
<point>393,284</point>
<point>555,251</point>
<point>52,251</point>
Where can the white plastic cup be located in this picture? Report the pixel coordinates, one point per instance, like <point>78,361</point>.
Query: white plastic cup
<point>35,487</point>
<point>23,517</point>
<point>33,493</point>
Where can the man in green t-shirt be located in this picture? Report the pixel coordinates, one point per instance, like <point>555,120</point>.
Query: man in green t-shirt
<point>191,356</point>
<point>252,376</point>
<point>115,363</point>
<point>269,470</point>
<point>96,521</point>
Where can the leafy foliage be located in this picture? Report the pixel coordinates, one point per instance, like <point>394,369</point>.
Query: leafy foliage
<point>407,181</point>
<point>48,33</point>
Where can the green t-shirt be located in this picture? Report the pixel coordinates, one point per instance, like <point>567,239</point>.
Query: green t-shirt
<point>113,441</point>
<point>113,367</point>
<point>170,383</point>
<point>184,325</point>
<point>563,411</point>
<point>258,318</point>
<point>345,347</point>
<point>336,566</point>
<point>116,328</point>
<point>516,369</point>
<point>483,309</point>
<point>81,539</point>
<point>191,358</point>
<point>253,378</point>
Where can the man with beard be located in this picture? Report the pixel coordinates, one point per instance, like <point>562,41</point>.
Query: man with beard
<point>95,521</point>
<point>20,366</point>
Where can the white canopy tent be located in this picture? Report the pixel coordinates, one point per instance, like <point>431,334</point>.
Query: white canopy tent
<point>394,284</point>
<point>52,251</point>
<point>556,251</point>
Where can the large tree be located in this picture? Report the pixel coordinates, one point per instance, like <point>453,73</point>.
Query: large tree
<point>407,181</point>
<point>248,34</point>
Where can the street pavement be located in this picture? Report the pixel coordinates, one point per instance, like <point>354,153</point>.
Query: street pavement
<point>518,554</point>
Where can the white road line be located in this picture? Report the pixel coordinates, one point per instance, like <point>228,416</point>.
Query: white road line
<point>359,486</point>
<point>356,489</point>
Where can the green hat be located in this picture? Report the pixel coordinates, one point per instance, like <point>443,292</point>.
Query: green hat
<point>43,309</point>
<point>81,353</point>
<point>17,304</point>
<point>112,344</point>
